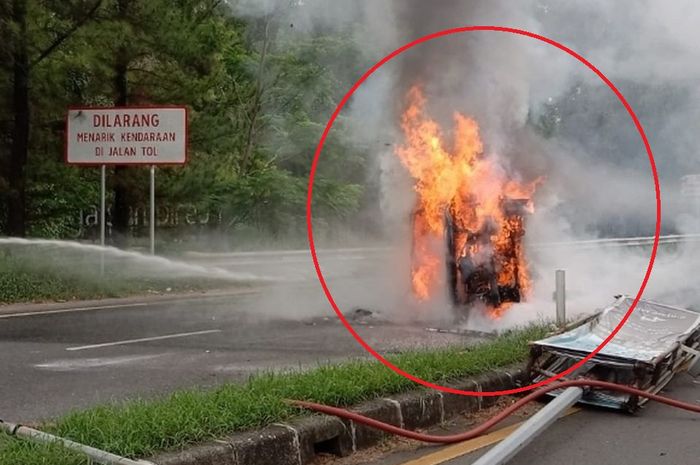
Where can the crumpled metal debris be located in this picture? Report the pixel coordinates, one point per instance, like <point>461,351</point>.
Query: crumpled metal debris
<point>656,341</point>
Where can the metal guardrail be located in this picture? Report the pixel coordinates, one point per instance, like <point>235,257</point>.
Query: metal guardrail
<point>621,241</point>
<point>278,253</point>
<point>579,244</point>
<point>264,256</point>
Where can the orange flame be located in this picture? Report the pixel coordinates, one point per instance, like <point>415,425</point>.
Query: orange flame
<point>471,187</point>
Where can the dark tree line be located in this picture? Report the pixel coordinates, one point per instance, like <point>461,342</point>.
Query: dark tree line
<point>258,94</point>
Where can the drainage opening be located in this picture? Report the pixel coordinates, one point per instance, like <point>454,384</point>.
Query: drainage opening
<point>328,447</point>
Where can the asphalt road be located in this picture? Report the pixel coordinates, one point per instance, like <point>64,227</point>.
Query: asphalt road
<point>69,356</point>
<point>655,435</point>
<point>66,356</point>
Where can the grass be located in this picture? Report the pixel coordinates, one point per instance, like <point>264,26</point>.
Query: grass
<point>30,280</point>
<point>17,452</point>
<point>141,428</point>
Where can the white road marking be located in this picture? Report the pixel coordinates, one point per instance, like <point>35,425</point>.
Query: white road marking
<point>71,310</point>
<point>87,363</point>
<point>144,339</point>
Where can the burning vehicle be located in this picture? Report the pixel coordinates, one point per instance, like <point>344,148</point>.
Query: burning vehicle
<point>486,272</point>
<point>469,217</point>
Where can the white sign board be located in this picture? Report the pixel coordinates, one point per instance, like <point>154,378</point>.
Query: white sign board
<point>126,136</point>
<point>690,185</point>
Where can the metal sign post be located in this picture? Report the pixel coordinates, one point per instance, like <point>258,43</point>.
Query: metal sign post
<point>152,221</point>
<point>103,182</point>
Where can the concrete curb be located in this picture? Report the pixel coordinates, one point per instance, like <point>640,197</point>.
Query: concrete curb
<point>298,441</point>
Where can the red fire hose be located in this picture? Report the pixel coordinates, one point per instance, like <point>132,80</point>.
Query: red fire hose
<point>481,429</point>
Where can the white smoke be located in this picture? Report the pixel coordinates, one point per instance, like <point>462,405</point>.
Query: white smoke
<point>597,174</point>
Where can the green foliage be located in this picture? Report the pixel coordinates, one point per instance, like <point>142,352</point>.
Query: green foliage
<point>258,97</point>
<point>144,427</point>
<point>547,122</point>
<point>15,452</point>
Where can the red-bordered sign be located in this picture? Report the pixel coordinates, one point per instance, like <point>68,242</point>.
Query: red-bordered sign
<point>133,135</point>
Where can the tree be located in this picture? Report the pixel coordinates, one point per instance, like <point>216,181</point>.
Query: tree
<point>157,52</point>
<point>258,91</point>
<point>62,20</point>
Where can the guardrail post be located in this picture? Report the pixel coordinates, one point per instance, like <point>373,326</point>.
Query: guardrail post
<point>560,297</point>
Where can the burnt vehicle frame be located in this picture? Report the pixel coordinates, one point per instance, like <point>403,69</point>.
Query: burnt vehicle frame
<point>471,279</point>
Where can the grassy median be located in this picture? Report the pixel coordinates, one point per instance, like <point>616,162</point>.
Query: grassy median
<point>140,428</point>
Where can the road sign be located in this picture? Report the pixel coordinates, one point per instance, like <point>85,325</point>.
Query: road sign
<point>126,136</point>
<point>690,185</point>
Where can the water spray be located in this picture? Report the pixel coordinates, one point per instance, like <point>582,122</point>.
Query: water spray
<point>172,266</point>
